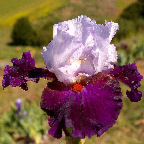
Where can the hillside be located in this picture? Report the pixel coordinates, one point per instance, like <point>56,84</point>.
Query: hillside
<point>97,9</point>
<point>34,9</point>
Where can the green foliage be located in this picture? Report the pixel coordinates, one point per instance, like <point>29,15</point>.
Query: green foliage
<point>126,28</point>
<point>124,58</point>
<point>134,11</point>
<point>23,33</point>
<point>29,123</point>
<point>45,34</point>
<point>139,51</point>
<point>131,21</point>
<point>5,138</point>
<point>128,53</point>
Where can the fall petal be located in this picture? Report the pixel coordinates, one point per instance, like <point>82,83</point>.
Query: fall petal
<point>91,111</point>
<point>96,108</point>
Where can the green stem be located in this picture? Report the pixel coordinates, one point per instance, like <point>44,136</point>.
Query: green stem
<point>72,140</point>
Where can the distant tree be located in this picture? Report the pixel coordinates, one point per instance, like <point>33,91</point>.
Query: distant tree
<point>23,33</point>
<point>45,32</point>
<point>131,21</point>
<point>47,29</point>
<point>134,11</point>
<point>141,1</point>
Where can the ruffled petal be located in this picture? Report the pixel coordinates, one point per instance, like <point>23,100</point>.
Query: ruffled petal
<point>89,112</point>
<point>56,103</point>
<point>129,75</point>
<point>17,74</point>
<point>23,70</point>
<point>79,43</point>
<point>96,108</point>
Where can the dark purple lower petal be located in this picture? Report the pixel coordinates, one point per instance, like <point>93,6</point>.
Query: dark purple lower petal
<point>57,105</point>
<point>53,99</point>
<point>129,75</point>
<point>91,111</point>
<point>56,127</point>
<point>96,108</point>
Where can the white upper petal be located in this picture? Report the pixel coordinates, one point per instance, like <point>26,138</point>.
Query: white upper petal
<point>80,39</point>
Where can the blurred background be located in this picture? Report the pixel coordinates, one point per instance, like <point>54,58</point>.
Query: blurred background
<point>26,25</point>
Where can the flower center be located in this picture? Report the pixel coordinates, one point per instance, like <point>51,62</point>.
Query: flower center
<point>77,87</point>
<point>75,63</point>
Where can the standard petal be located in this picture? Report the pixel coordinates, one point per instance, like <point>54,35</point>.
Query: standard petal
<point>106,31</point>
<point>112,28</point>
<point>129,75</point>
<point>80,39</point>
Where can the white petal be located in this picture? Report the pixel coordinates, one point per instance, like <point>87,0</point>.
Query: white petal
<point>80,39</point>
<point>113,27</point>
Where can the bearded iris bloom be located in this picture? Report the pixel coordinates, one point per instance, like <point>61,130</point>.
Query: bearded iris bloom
<point>84,93</point>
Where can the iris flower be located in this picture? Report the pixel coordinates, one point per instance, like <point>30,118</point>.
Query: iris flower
<point>84,93</point>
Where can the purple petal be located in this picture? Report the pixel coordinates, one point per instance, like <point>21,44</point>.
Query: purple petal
<point>56,127</point>
<point>17,74</point>
<point>24,70</point>
<point>57,105</point>
<point>129,75</point>
<point>53,99</point>
<point>89,112</point>
<point>96,108</point>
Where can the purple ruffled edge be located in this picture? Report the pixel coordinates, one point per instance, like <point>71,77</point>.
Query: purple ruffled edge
<point>129,75</point>
<point>24,70</point>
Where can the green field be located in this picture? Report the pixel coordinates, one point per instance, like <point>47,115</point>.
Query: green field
<point>11,10</point>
